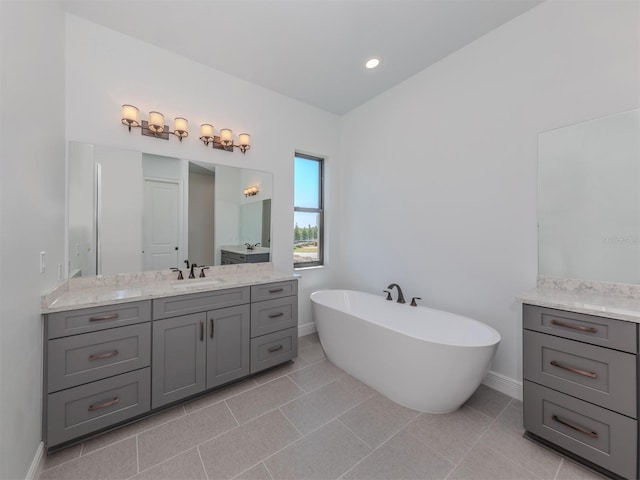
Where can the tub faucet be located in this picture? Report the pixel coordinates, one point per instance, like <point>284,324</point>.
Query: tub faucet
<point>400,295</point>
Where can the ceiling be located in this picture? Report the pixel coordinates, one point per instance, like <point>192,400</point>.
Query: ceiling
<point>310,50</point>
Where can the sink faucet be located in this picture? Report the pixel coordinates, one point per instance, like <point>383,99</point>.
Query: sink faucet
<point>400,295</point>
<point>192,275</point>
<point>249,246</point>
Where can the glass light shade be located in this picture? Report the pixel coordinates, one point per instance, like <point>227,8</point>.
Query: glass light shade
<point>226,136</point>
<point>181,127</point>
<point>206,130</point>
<point>156,122</point>
<point>244,139</point>
<point>130,115</point>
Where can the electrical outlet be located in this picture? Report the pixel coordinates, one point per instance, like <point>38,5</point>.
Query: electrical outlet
<point>43,262</point>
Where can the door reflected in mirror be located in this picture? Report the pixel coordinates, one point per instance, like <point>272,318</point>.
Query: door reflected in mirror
<point>131,211</point>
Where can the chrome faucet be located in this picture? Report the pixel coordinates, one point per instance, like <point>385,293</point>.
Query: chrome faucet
<point>400,295</point>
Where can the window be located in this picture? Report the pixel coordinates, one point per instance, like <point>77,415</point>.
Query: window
<point>308,244</point>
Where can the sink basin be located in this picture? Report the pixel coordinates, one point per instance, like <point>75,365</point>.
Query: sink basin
<point>197,283</point>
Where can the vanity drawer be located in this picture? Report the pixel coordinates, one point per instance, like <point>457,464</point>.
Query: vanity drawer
<point>270,350</point>
<point>81,410</point>
<point>274,290</point>
<point>199,302</point>
<point>92,356</point>
<point>603,437</point>
<point>605,332</point>
<point>595,374</point>
<point>273,315</point>
<point>73,322</point>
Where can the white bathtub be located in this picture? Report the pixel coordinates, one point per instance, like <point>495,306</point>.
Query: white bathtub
<point>425,359</point>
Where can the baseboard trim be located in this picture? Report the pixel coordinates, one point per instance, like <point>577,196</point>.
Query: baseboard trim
<point>502,383</point>
<point>34,469</point>
<point>306,329</point>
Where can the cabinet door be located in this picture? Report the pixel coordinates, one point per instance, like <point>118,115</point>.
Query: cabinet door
<point>179,352</point>
<point>228,344</point>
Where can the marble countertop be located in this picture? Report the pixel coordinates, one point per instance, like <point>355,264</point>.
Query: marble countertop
<point>78,293</point>
<point>243,249</point>
<point>591,303</point>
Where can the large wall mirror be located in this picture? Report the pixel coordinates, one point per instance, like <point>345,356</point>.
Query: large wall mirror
<point>589,200</point>
<point>130,211</point>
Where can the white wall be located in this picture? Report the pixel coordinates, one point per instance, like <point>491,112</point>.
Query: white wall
<point>32,186</point>
<point>105,69</point>
<point>439,173</point>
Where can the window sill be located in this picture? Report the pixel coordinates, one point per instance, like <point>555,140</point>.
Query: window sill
<point>313,267</point>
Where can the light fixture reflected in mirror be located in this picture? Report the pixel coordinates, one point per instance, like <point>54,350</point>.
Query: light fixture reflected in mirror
<point>251,191</point>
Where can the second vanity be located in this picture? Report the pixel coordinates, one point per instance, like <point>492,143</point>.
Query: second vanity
<point>581,367</point>
<point>116,352</point>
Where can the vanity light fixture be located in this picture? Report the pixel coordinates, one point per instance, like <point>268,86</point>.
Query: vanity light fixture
<point>225,140</point>
<point>155,126</point>
<point>251,191</point>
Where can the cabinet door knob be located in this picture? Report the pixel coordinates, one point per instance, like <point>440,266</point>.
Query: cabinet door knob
<point>201,331</point>
<point>211,327</point>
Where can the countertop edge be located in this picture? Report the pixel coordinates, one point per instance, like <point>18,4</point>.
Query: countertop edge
<point>154,291</point>
<point>612,307</point>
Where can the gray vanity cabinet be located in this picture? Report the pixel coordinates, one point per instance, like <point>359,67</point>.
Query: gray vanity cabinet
<point>580,387</point>
<point>96,369</point>
<point>228,345</point>
<point>179,358</point>
<point>105,366</point>
<point>195,352</point>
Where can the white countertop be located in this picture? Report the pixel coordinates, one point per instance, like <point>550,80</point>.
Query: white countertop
<point>591,303</point>
<point>97,291</point>
<point>244,250</point>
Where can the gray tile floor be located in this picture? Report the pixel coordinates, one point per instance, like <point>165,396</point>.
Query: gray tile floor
<point>310,420</point>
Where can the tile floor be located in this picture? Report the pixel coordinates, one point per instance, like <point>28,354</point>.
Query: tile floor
<point>310,420</point>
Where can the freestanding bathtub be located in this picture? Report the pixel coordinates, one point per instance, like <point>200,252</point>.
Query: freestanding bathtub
<point>425,359</point>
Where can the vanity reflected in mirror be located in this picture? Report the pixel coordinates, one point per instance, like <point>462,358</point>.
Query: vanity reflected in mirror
<point>589,200</point>
<point>130,211</point>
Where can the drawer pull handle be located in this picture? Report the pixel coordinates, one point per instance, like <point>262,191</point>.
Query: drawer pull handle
<point>212,327</point>
<point>276,290</point>
<point>586,432</point>
<point>113,316</point>
<point>274,349</point>
<point>584,373</point>
<point>93,408</point>
<point>201,331</point>
<point>101,356</point>
<point>574,327</point>
<point>276,315</point>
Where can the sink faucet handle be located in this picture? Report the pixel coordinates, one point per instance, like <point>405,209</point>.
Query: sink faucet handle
<point>202,269</point>
<point>187,262</point>
<point>180,277</point>
<point>388,294</point>
<point>413,301</point>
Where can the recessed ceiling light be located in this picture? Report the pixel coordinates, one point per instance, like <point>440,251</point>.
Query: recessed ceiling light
<point>372,63</point>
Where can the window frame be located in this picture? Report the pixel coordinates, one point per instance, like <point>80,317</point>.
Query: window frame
<point>319,211</point>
